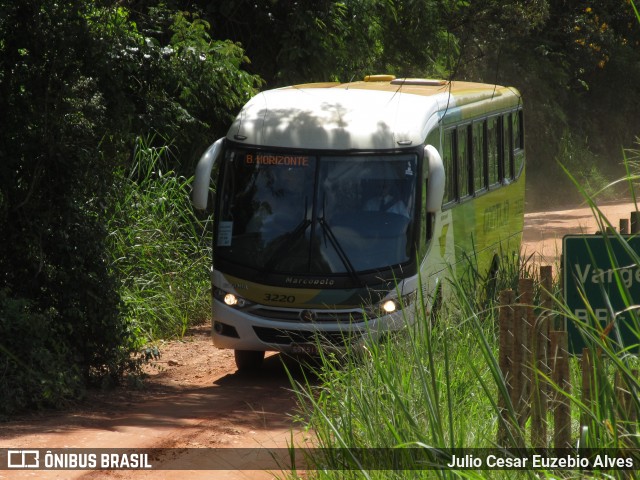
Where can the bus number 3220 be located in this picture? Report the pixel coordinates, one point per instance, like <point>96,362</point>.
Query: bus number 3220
<point>274,297</point>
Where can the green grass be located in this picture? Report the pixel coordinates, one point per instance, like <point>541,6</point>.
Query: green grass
<point>160,249</point>
<point>429,386</point>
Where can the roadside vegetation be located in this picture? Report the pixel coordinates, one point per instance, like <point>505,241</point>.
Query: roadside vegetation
<point>106,106</point>
<point>94,212</point>
<point>160,248</point>
<point>438,385</point>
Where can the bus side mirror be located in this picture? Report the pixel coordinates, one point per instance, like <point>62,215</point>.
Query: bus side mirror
<point>435,193</point>
<point>202,180</point>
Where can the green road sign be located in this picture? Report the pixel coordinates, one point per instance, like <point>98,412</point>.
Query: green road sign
<point>601,288</point>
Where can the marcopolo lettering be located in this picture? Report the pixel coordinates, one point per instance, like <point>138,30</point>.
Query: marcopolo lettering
<point>310,282</point>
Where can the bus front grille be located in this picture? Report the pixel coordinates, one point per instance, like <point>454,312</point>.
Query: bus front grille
<point>289,315</point>
<point>281,336</point>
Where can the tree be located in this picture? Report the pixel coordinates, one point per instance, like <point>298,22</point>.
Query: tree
<point>79,81</point>
<point>576,64</point>
<point>52,260</point>
<point>296,42</point>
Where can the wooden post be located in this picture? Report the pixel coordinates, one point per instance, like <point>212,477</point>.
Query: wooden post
<point>587,382</point>
<point>539,393</point>
<point>505,360</point>
<point>560,368</point>
<point>517,361</point>
<point>559,322</point>
<point>523,353</point>
<point>547,298</point>
<point>624,226</point>
<point>539,403</point>
<point>635,222</point>
<point>626,405</point>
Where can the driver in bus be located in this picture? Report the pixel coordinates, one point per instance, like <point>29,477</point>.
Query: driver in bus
<point>388,201</point>
<point>284,207</point>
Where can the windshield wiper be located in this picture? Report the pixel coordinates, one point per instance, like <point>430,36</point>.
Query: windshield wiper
<point>341,253</point>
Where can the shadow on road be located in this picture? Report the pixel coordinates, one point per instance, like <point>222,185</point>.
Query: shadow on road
<point>233,404</point>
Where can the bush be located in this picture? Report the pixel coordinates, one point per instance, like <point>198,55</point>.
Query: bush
<point>36,370</point>
<point>160,250</point>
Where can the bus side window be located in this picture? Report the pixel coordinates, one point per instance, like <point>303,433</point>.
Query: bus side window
<point>465,180</point>
<point>448,151</point>
<point>518,133</point>
<point>507,145</point>
<point>478,152</point>
<point>493,151</point>
<point>518,139</point>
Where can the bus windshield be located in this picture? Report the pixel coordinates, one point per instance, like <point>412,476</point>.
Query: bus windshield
<point>304,214</point>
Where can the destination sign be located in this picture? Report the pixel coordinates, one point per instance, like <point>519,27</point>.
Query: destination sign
<point>284,160</point>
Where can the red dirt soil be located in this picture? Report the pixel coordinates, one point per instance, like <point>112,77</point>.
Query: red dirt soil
<point>543,231</point>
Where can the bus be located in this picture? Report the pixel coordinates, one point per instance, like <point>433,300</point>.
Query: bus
<point>334,204</point>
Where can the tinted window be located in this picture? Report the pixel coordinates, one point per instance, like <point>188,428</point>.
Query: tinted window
<point>518,137</point>
<point>493,150</point>
<point>449,169</point>
<point>464,164</point>
<point>479,167</point>
<point>507,145</point>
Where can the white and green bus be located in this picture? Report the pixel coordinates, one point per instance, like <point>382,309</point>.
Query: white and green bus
<point>335,202</point>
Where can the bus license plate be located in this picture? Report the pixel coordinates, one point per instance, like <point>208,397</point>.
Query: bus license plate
<point>305,348</point>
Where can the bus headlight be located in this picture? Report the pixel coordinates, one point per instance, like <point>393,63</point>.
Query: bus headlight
<point>389,306</point>
<point>230,299</point>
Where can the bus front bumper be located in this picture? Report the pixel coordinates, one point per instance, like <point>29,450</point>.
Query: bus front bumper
<point>240,330</point>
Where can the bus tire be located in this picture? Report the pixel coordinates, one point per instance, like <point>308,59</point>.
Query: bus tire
<point>492,278</point>
<point>248,360</point>
<point>436,304</point>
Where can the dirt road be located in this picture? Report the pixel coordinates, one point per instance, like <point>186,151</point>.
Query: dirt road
<point>543,231</point>
<point>194,397</point>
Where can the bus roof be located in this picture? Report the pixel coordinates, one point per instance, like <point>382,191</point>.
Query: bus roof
<point>381,113</point>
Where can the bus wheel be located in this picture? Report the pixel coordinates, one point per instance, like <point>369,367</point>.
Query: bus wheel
<point>436,304</point>
<point>248,360</point>
<point>492,278</point>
